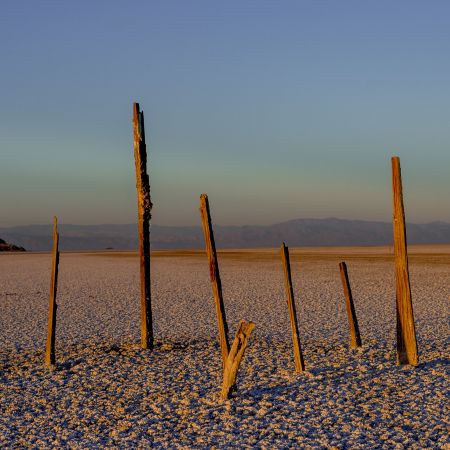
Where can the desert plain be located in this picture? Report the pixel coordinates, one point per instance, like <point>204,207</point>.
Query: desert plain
<point>105,391</point>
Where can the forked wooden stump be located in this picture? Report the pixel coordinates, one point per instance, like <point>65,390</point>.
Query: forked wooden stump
<point>235,357</point>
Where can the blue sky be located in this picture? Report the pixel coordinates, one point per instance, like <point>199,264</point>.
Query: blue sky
<point>278,110</point>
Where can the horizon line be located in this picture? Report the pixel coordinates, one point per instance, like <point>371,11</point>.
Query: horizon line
<point>219,225</point>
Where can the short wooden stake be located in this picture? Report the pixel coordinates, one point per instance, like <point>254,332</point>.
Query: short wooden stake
<point>406,334</point>
<point>215,277</point>
<point>355,338</point>
<point>298,355</point>
<point>50,359</point>
<point>235,356</point>
<point>144,215</point>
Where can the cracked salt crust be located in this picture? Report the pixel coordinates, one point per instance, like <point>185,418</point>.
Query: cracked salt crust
<point>107,392</point>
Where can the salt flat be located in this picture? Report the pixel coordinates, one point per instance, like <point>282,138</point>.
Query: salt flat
<point>107,392</point>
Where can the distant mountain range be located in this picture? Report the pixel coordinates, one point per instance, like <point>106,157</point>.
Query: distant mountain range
<point>296,233</point>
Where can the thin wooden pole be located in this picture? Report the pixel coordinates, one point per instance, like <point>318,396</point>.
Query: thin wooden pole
<point>235,356</point>
<point>144,215</point>
<point>215,277</point>
<point>52,306</point>
<point>406,333</point>
<point>355,338</point>
<point>298,355</point>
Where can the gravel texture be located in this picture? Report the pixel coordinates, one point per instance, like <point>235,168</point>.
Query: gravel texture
<point>107,392</point>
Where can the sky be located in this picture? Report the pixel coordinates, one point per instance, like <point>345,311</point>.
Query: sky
<point>276,109</point>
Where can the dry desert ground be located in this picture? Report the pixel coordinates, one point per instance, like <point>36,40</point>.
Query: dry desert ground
<point>107,392</point>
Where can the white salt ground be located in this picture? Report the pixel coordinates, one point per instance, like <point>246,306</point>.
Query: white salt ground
<point>107,392</point>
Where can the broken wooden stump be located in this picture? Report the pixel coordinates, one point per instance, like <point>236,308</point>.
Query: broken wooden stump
<point>235,357</point>
<point>406,334</point>
<point>50,358</point>
<point>298,355</point>
<point>144,215</point>
<point>355,338</point>
<point>215,277</point>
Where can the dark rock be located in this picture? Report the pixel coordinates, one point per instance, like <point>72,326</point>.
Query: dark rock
<point>5,247</point>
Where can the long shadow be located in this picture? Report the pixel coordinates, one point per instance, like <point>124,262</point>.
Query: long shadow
<point>339,375</point>
<point>67,365</point>
<point>444,361</point>
<point>258,392</point>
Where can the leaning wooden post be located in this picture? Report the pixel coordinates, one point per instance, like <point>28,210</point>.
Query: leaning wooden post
<point>52,306</point>
<point>215,277</point>
<point>235,356</point>
<point>298,356</point>
<point>406,333</point>
<point>355,338</point>
<point>144,215</point>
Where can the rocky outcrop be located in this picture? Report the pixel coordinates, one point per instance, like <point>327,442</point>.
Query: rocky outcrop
<point>5,247</point>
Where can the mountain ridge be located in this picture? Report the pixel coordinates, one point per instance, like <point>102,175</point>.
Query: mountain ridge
<point>307,232</point>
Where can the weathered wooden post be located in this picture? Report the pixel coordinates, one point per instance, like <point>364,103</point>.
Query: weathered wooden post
<point>215,277</point>
<point>235,356</point>
<point>52,306</point>
<point>144,215</point>
<point>406,333</point>
<point>298,356</point>
<point>355,338</point>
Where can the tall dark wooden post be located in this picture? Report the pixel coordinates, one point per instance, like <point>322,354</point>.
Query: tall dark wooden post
<point>298,355</point>
<point>144,215</point>
<point>215,277</point>
<point>355,338</point>
<point>406,334</point>
<point>52,306</point>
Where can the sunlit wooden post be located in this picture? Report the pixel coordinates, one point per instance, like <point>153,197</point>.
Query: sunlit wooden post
<point>52,306</point>
<point>298,356</point>
<point>214,276</point>
<point>406,333</point>
<point>235,356</point>
<point>355,338</point>
<point>144,215</point>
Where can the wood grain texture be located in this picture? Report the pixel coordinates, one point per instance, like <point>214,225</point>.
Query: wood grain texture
<point>406,334</point>
<point>235,357</point>
<point>355,338</point>
<point>144,216</point>
<point>298,355</point>
<point>214,276</point>
<point>50,358</point>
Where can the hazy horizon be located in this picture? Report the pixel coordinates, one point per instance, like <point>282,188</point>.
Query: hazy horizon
<point>99,224</point>
<point>276,110</point>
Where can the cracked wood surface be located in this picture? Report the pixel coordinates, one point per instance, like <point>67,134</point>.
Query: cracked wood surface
<point>144,215</point>
<point>215,277</point>
<point>406,334</point>
<point>235,357</point>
